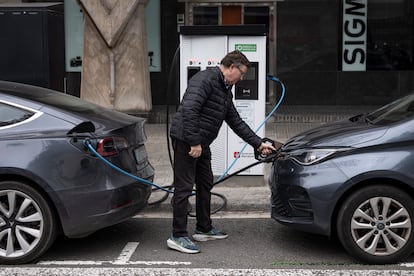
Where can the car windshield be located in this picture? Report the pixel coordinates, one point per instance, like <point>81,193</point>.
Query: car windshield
<point>393,112</point>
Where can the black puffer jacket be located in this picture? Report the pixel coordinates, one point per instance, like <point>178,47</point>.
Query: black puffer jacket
<point>205,104</point>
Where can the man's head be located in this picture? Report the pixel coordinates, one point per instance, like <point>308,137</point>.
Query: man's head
<point>234,66</point>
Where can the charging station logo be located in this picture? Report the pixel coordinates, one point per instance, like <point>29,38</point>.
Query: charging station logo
<point>236,154</point>
<point>246,47</point>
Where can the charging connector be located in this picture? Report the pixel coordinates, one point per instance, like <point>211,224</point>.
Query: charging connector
<point>258,155</point>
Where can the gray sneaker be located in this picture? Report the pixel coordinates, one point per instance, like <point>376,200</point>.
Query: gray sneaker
<point>213,234</point>
<point>182,244</point>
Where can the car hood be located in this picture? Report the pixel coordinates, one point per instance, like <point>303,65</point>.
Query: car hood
<point>346,133</point>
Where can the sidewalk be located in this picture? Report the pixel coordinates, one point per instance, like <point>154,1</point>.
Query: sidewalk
<point>243,193</point>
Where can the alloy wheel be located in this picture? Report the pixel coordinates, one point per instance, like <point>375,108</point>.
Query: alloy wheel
<point>375,224</point>
<point>381,226</point>
<point>21,224</point>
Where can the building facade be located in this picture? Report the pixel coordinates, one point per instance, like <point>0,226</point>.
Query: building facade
<point>327,52</point>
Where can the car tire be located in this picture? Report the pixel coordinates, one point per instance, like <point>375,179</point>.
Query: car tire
<point>27,223</point>
<point>375,224</point>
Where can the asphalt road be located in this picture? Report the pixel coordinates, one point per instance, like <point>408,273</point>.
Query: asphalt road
<point>256,246</point>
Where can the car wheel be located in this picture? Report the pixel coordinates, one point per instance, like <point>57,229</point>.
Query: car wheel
<point>375,224</point>
<point>27,224</point>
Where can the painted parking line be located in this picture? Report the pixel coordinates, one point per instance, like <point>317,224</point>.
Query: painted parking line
<point>129,249</point>
<point>135,271</point>
<point>100,263</point>
<point>123,259</point>
<point>72,263</point>
<point>126,253</point>
<point>219,215</point>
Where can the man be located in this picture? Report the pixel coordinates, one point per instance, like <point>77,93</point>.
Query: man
<point>206,103</point>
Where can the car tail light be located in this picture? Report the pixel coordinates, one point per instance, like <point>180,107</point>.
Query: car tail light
<point>111,145</point>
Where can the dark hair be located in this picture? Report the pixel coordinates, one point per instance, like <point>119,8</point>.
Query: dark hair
<point>236,57</point>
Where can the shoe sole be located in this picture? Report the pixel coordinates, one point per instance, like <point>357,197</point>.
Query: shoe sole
<point>202,238</point>
<point>171,244</point>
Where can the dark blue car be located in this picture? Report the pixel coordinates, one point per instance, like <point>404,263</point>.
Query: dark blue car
<point>352,179</point>
<point>50,183</point>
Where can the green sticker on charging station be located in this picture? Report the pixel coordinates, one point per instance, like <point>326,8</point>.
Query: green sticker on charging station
<point>246,47</point>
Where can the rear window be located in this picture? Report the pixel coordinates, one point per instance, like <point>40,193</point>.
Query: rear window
<point>10,115</point>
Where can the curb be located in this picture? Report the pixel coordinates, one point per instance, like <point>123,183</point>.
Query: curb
<point>237,199</point>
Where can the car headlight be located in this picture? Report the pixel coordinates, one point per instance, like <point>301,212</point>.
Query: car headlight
<point>311,156</point>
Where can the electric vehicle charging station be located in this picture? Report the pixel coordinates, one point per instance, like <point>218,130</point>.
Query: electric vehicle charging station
<point>204,46</point>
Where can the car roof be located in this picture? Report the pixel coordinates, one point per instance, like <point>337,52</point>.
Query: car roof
<point>23,90</point>
<point>67,104</point>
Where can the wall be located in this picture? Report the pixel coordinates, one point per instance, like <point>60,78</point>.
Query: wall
<point>165,84</point>
<point>309,53</point>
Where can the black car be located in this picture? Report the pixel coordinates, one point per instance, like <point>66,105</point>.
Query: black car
<point>50,182</point>
<point>352,179</point>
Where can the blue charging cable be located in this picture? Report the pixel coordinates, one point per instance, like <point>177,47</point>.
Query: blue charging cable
<point>87,144</point>
<point>268,77</point>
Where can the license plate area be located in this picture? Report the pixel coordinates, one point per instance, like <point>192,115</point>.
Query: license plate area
<point>140,155</point>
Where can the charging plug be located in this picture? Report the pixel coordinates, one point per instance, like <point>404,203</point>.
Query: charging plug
<point>259,156</point>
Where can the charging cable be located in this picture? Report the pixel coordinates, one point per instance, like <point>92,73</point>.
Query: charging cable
<point>88,144</point>
<point>268,77</point>
<point>222,178</point>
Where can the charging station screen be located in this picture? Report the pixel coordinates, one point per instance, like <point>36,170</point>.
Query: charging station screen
<point>251,74</point>
<point>247,89</point>
<point>191,71</point>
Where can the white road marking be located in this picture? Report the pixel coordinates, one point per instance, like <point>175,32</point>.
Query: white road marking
<point>135,271</point>
<point>69,262</point>
<point>126,253</point>
<point>219,215</point>
<point>98,263</point>
<point>123,259</point>
<point>149,263</point>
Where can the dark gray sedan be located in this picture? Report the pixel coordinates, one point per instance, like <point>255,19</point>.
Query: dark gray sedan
<point>50,183</point>
<point>353,179</point>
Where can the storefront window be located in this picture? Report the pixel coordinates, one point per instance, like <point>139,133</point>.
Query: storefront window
<point>256,15</point>
<point>307,35</point>
<point>206,15</point>
<point>390,35</point>
<point>231,15</point>
<point>209,15</point>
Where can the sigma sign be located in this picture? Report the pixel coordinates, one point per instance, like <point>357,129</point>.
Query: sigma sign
<point>354,35</point>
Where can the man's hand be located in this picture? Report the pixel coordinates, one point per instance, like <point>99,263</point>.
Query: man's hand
<point>267,149</point>
<point>195,151</point>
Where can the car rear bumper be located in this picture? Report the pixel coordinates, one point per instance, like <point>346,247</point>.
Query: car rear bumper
<point>109,207</point>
